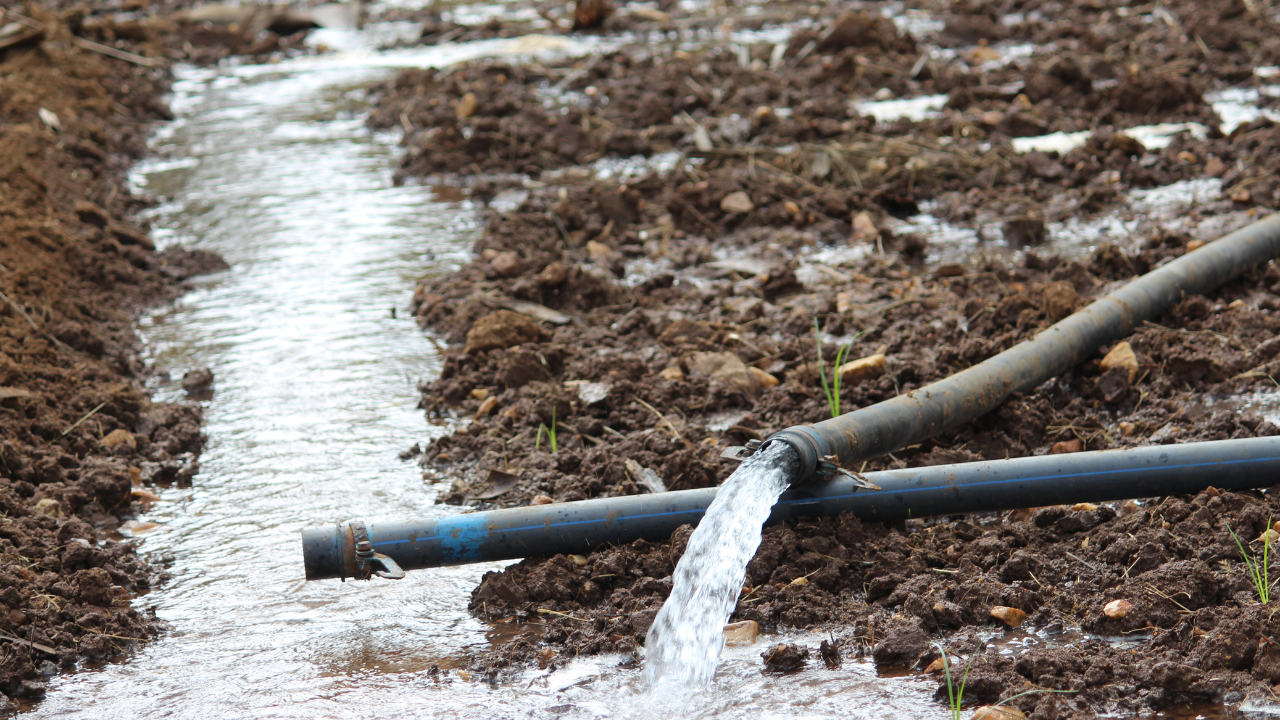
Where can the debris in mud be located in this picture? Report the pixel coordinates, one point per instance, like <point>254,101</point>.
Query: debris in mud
<point>785,657</point>
<point>830,652</point>
<point>80,435</point>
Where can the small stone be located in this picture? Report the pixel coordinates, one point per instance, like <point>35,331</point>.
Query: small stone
<point>119,436</point>
<point>1084,507</point>
<point>1129,507</point>
<point>726,369</point>
<point>791,207</point>
<point>1241,195</point>
<point>1117,609</point>
<point>488,254</point>
<point>764,112</point>
<point>862,369</point>
<point>737,203</point>
<point>998,712</point>
<point>506,264</point>
<point>864,228</point>
<point>578,559</point>
<point>1188,157</point>
<point>1194,245</point>
<point>1214,167</point>
<point>50,508</point>
<point>1013,617</point>
<point>1120,356</point>
<point>487,407</point>
<point>741,633</point>
<point>673,373</point>
<point>197,381</point>
<point>1067,446</point>
<point>466,107</point>
<point>480,393</point>
<point>763,378</point>
<point>1236,305</point>
<point>1269,536</point>
<point>1127,429</point>
<point>553,275</point>
<point>541,500</point>
<point>597,250</point>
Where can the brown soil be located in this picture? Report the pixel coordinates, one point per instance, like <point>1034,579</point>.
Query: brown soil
<point>79,433</point>
<point>674,324</point>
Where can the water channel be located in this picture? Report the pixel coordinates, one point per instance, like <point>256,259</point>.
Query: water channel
<point>272,167</point>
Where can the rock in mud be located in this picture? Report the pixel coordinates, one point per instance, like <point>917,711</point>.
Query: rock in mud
<point>724,368</point>
<point>1013,617</point>
<point>507,264</point>
<point>785,657</point>
<point>501,330</point>
<point>862,369</point>
<point>118,437</point>
<point>741,633</point>
<point>998,712</point>
<point>1121,356</point>
<point>1117,609</point>
<point>737,203</point>
<point>197,381</point>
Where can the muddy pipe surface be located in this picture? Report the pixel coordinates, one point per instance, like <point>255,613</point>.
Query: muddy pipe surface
<point>580,527</point>
<point>918,415</point>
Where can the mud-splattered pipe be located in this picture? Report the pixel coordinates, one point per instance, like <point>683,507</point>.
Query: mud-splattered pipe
<point>969,394</point>
<point>580,527</point>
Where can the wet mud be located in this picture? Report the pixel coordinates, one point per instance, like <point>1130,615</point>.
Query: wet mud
<point>80,436</point>
<point>663,227</point>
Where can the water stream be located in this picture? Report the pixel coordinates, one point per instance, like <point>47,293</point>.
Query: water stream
<point>687,635</point>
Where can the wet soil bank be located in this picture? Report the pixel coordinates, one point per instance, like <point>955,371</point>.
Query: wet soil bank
<point>653,313</point>
<point>80,435</point>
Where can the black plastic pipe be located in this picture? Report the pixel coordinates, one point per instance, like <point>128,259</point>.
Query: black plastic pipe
<point>947,404</point>
<point>580,527</point>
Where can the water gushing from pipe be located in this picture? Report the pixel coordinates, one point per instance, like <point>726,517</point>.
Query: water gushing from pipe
<point>687,636</point>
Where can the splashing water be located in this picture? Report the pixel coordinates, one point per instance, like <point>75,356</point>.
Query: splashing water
<point>687,635</point>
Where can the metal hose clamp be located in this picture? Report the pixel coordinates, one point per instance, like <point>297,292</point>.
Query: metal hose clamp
<point>368,562</point>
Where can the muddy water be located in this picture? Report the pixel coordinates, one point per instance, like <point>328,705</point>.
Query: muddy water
<point>271,167</point>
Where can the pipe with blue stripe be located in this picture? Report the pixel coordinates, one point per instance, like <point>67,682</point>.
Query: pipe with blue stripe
<point>581,527</point>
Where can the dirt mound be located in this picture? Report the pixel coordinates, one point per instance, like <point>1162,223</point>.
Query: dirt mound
<point>79,432</point>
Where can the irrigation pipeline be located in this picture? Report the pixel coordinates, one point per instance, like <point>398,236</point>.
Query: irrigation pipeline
<point>581,527</point>
<point>947,404</point>
<point>386,549</point>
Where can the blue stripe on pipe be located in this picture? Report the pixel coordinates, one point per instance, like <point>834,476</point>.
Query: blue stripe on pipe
<point>474,528</point>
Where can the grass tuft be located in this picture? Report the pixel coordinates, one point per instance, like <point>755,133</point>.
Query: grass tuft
<point>550,432</point>
<point>1257,568</point>
<point>831,390</point>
